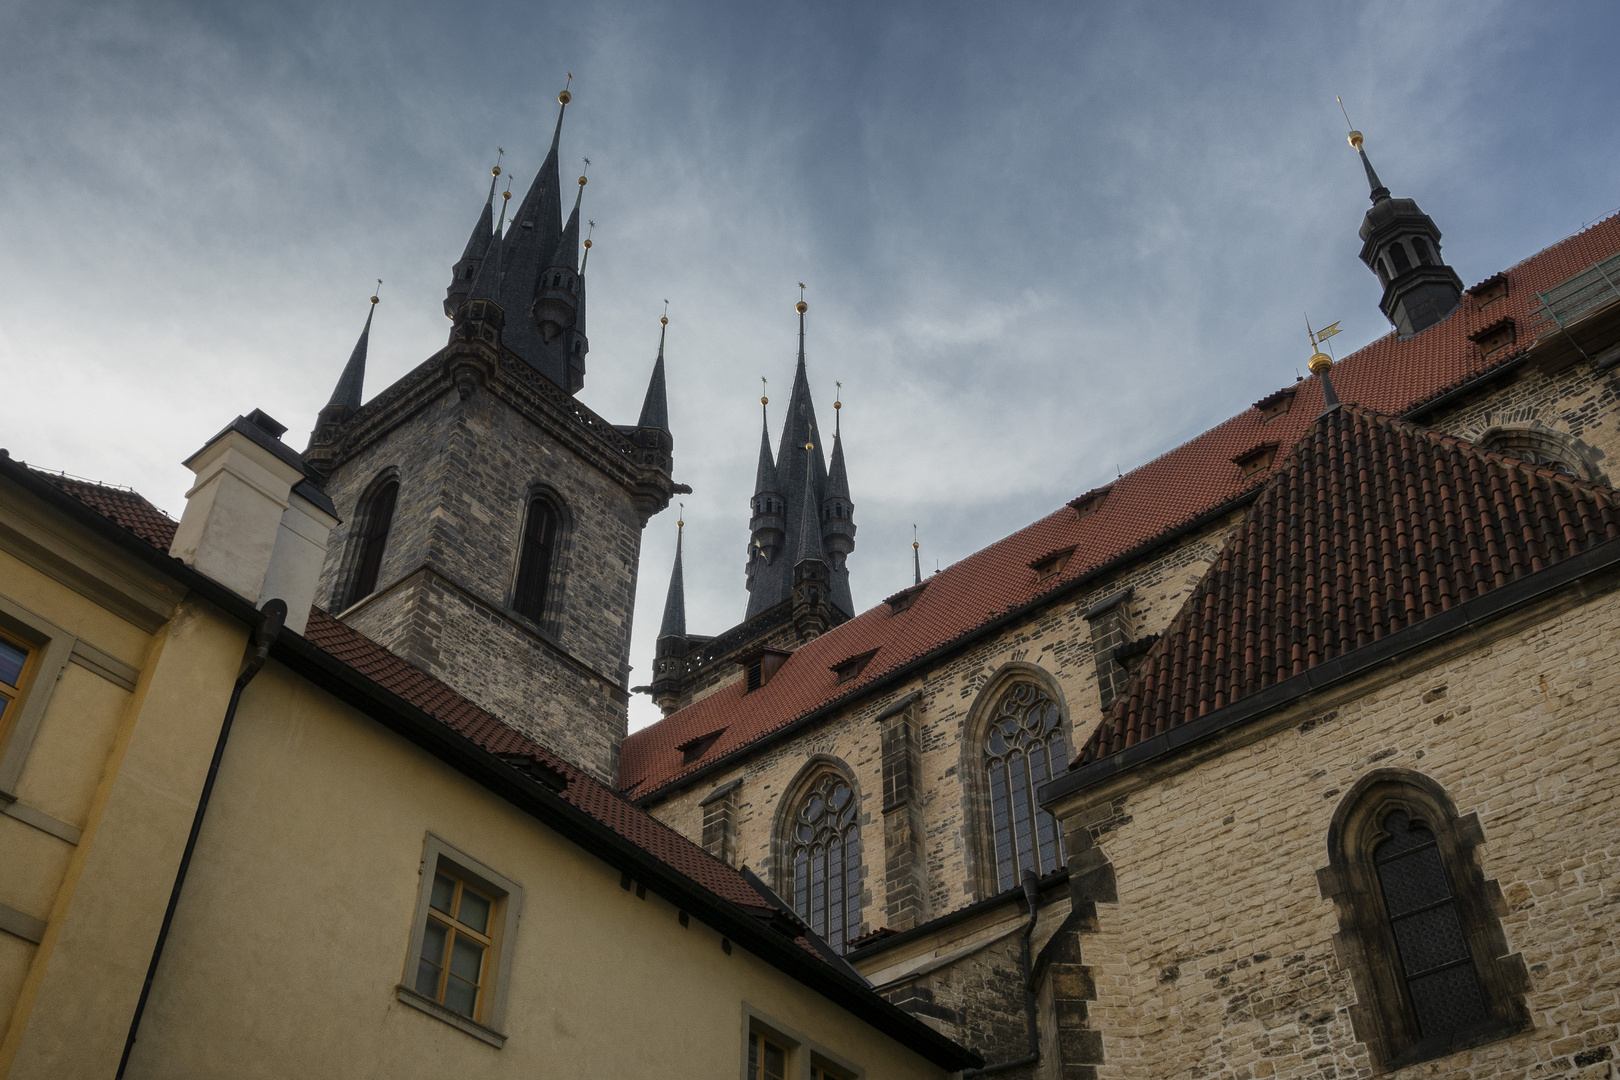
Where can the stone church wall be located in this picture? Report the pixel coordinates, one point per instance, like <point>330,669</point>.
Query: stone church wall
<point>1219,957</point>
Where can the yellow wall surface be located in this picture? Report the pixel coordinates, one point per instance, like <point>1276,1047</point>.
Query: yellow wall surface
<point>292,933</point>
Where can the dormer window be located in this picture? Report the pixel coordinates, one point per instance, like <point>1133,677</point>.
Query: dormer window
<point>903,599</point>
<point>759,665</point>
<point>692,750</point>
<point>1496,338</point>
<point>1257,460</point>
<point>1276,405</point>
<point>1490,290</point>
<point>1091,501</point>
<point>850,670</point>
<point>1050,566</point>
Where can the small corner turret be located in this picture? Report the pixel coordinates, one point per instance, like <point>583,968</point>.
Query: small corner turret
<point>1401,245</point>
<point>344,403</point>
<point>465,271</point>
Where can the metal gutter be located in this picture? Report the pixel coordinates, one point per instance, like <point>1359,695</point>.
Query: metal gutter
<point>1341,669</point>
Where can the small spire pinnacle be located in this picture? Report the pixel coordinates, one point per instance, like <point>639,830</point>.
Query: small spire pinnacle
<point>916,558</point>
<point>1321,363</point>
<point>581,194</point>
<point>763,402</point>
<point>674,624</point>
<point>587,257</point>
<point>838,409</point>
<point>563,96</point>
<point>494,176</point>
<point>655,407</point>
<point>1379,191</point>
<point>663,326</point>
<point>351,382</point>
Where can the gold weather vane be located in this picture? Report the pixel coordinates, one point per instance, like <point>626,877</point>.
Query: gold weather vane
<point>500,152</point>
<point>565,97</point>
<point>1355,136</point>
<point>379,289</point>
<point>1320,361</point>
<point>680,521</point>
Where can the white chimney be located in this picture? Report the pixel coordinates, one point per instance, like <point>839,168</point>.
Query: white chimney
<point>253,522</point>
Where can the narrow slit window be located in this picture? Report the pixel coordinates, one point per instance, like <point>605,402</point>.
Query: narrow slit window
<point>379,518</point>
<point>534,567</point>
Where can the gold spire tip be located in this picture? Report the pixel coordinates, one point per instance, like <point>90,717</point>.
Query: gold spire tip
<point>1320,362</point>
<point>801,307</point>
<point>565,97</point>
<point>507,194</point>
<point>379,289</point>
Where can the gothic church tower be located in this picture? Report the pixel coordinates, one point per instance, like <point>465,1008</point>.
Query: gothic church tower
<point>491,523</point>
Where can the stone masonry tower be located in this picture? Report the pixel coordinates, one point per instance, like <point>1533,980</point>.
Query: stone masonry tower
<point>491,523</point>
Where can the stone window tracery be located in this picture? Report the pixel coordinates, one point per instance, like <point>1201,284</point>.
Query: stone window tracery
<point>825,843</point>
<point>1024,750</point>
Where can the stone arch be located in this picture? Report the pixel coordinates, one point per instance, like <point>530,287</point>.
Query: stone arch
<point>977,811</point>
<point>550,617</point>
<point>1539,442</point>
<point>360,521</point>
<point>813,775</point>
<point>1391,997</point>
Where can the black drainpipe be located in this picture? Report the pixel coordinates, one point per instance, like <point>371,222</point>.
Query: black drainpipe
<point>1032,893</point>
<point>271,618</point>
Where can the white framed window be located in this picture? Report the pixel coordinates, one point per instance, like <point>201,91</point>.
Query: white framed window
<point>462,940</point>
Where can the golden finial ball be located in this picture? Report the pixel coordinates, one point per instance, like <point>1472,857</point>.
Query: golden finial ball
<point>801,307</point>
<point>1356,140</point>
<point>506,195</point>
<point>837,405</point>
<point>496,171</point>
<point>373,299</point>
<point>915,545</point>
<point>764,401</point>
<point>587,243</point>
<point>1320,362</point>
<point>664,321</point>
<point>582,181</point>
<point>809,446</point>
<point>564,98</point>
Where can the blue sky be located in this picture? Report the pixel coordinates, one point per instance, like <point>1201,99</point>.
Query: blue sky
<point>1042,241</point>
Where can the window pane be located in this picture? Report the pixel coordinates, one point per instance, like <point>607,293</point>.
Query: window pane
<point>444,893</point>
<point>753,1055</point>
<point>1430,939</point>
<point>1002,812</point>
<point>1018,783</point>
<point>835,893</point>
<point>1415,880</point>
<point>433,939</point>
<point>852,884</point>
<point>12,659</point>
<point>1448,1001</point>
<point>466,958</point>
<point>474,910</point>
<point>460,996</point>
<point>427,979</point>
<point>3,703</point>
<point>775,1062</point>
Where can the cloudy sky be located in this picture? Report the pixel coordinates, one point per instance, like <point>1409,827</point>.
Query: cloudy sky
<point>1042,241</point>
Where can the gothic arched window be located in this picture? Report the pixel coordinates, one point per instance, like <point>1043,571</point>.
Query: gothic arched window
<point>1418,919</point>
<point>1023,750</point>
<point>825,847</point>
<point>376,519</point>
<point>535,562</point>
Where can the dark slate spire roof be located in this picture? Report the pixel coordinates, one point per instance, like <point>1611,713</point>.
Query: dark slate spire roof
<point>655,408</point>
<point>801,480</point>
<point>809,524</point>
<point>674,624</point>
<point>483,228</point>
<point>350,383</point>
<point>567,253</point>
<point>1379,191</point>
<point>837,478</point>
<point>765,475</point>
<point>530,245</point>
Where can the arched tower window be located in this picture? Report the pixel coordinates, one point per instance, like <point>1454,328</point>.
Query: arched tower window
<point>824,849</point>
<point>375,520</point>
<point>1397,251</point>
<point>1418,918</point>
<point>1024,748</point>
<point>538,555</point>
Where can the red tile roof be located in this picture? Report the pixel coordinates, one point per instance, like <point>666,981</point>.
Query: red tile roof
<point>1390,375</point>
<point>1370,525</point>
<point>123,506</point>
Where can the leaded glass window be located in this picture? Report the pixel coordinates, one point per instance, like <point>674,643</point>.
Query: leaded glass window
<point>826,860</point>
<point>1023,751</point>
<point>1423,916</point>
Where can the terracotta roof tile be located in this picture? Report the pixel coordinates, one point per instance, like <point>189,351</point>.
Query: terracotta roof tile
<point>1391,375</point>
<point>125,507</point>
<point>1370,525</point>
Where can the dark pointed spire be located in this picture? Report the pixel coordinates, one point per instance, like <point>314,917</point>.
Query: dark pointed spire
<point>674,624</point>
<point>765,475</point>
<point>655,408</point>
<point>837,478</point>
<point>1401,245</point>
<point>567,253</point>
<point>352,381</point>
<point>484,227</point>
<point>809,518</point>
<point>463,273</point>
